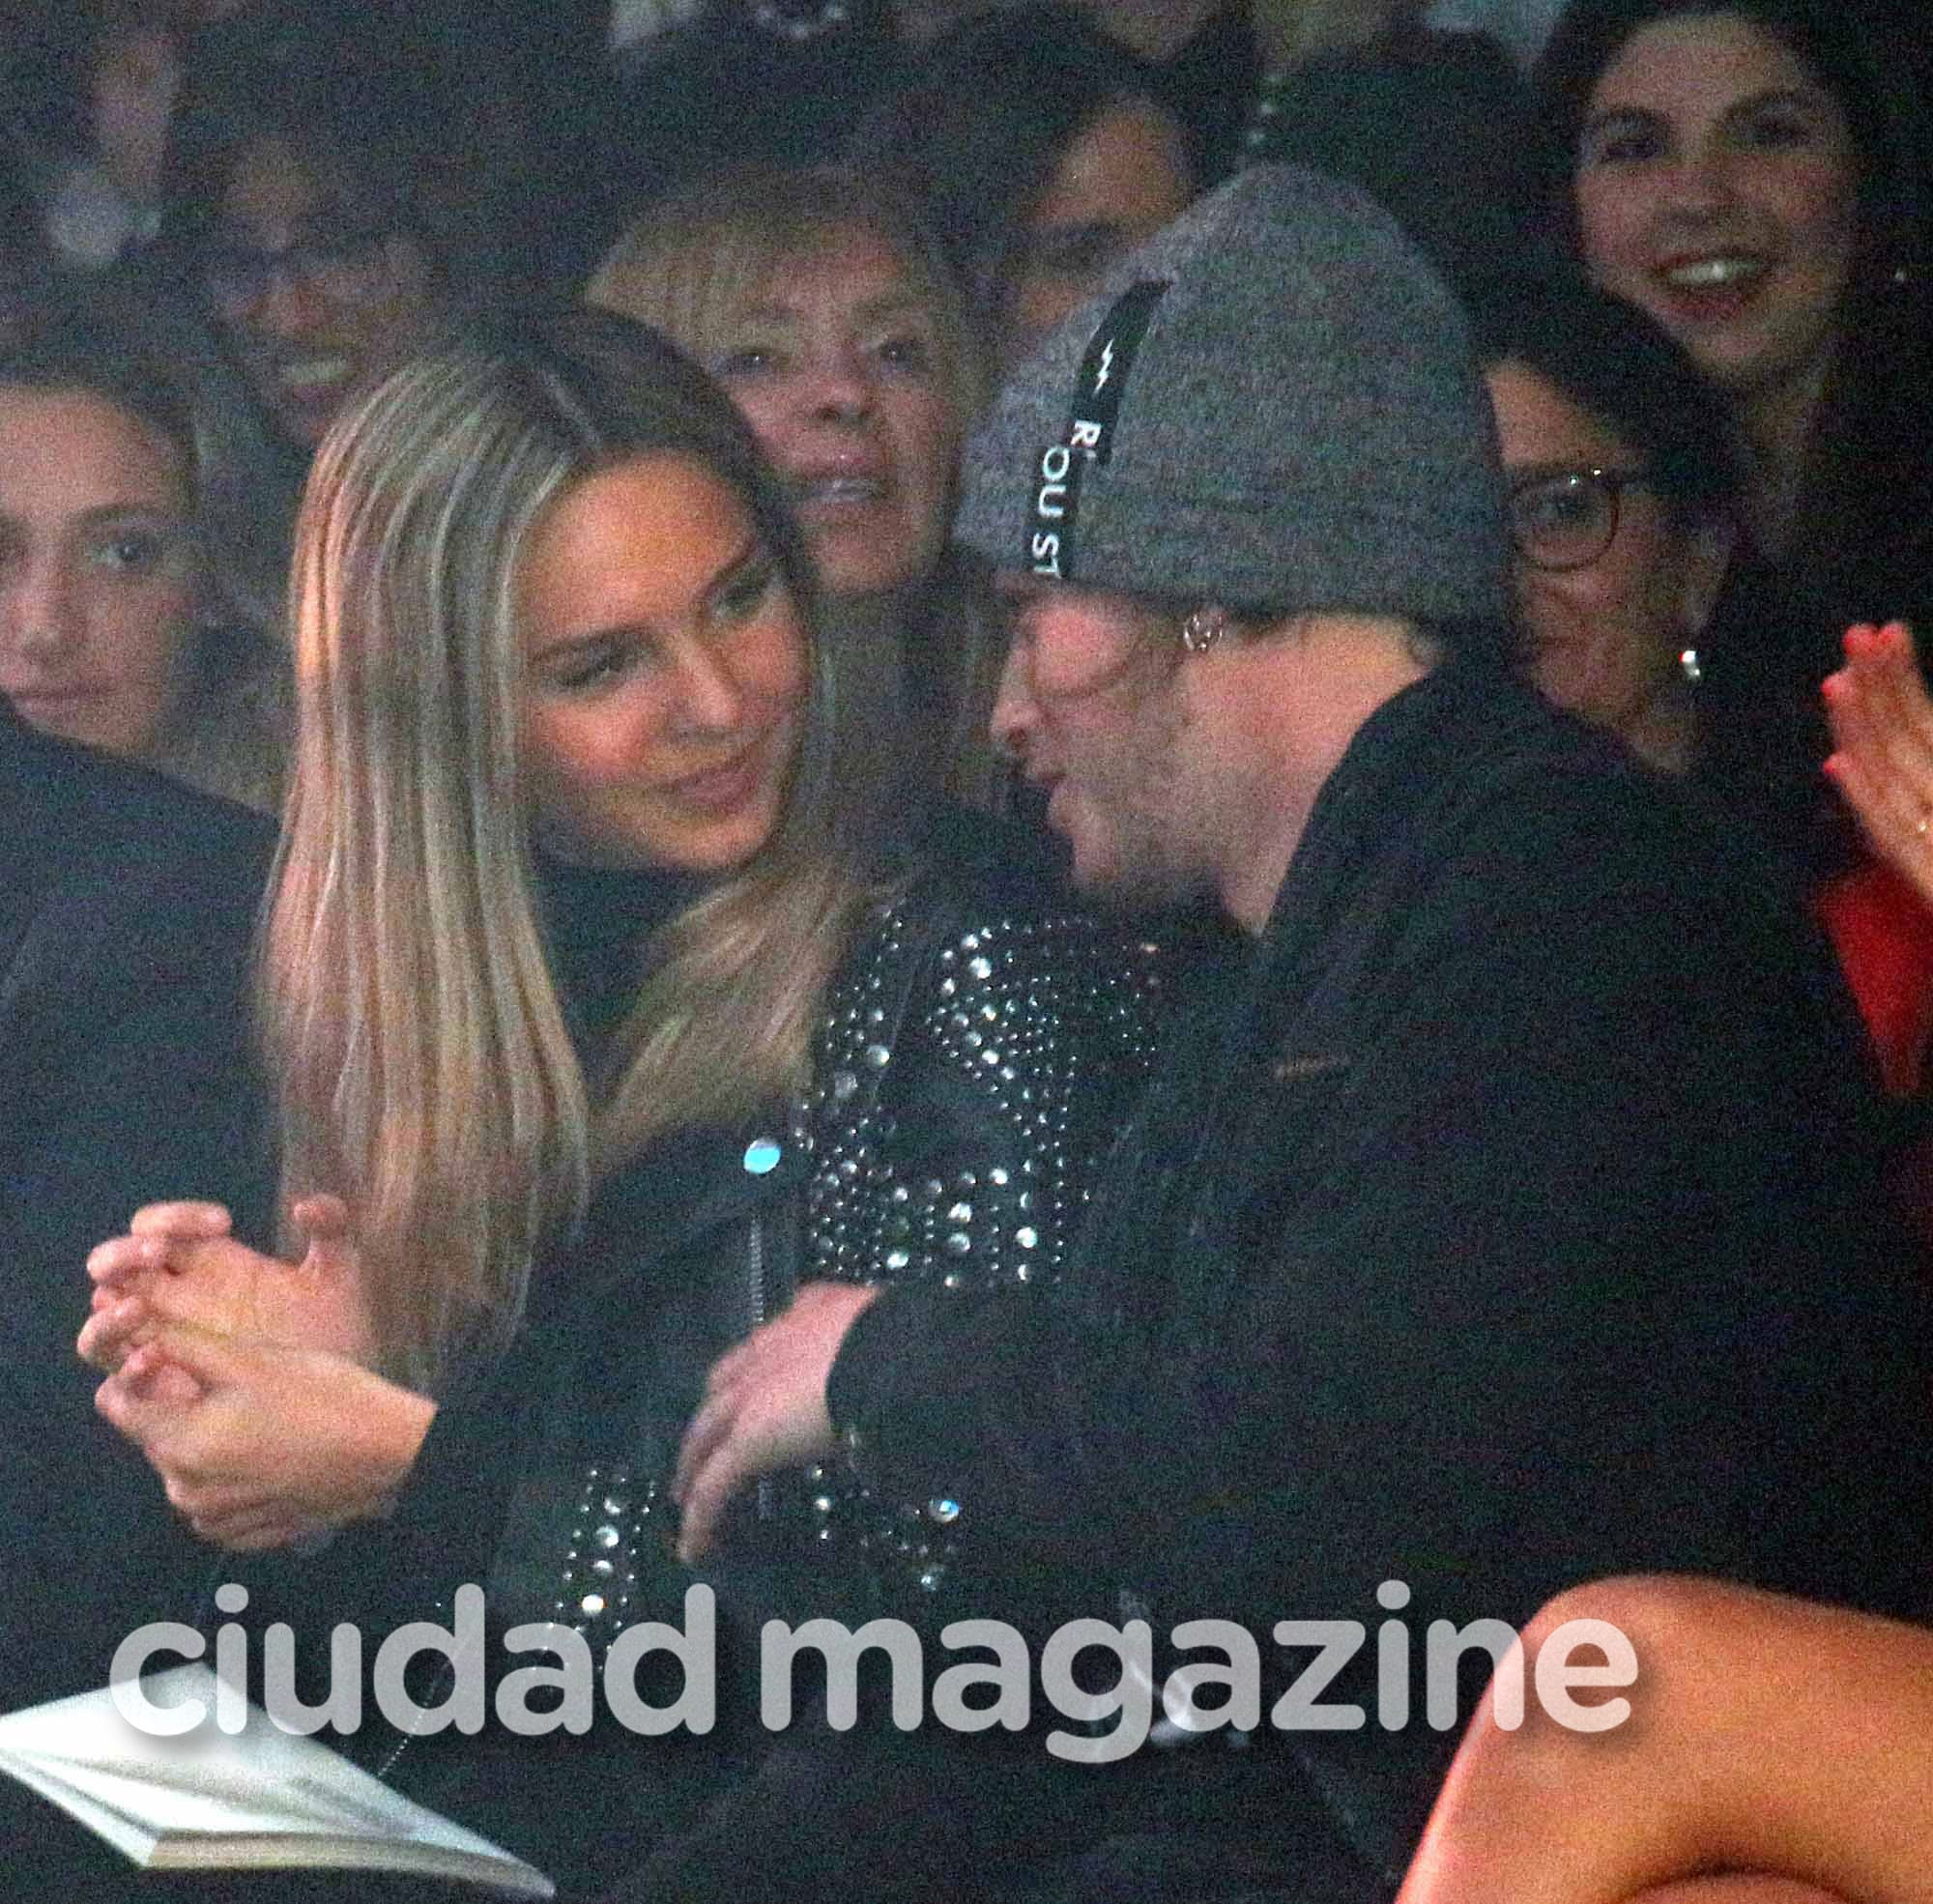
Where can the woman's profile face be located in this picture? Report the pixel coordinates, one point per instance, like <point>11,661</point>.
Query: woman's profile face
<point>840,364</point>
<point>1717,188</point>
<point>98,571</point>
<point>665,671</point>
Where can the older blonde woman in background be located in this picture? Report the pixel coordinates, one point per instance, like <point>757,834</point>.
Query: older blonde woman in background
<point>836,325</point>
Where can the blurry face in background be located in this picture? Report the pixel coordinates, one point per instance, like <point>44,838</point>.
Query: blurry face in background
<point>841,367</point>
<point>1606,637</point>
<point>99,574</point>
<point>1718,189</point>
<point>1118,183</point>
<point>665,671</point>
<point>313,294</point>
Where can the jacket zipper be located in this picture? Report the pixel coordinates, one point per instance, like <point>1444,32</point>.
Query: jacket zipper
<point>755,1252</point>
<point>445,1674</point>
<point>755,1258</point>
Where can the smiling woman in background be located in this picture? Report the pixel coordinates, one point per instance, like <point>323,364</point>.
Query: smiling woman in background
<point>309,252</point>
<point>112,629</point>
<point>295,223</point>
<point>1751,173</point>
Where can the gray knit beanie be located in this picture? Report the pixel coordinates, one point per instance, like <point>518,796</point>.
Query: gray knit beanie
<point>1271,405</point>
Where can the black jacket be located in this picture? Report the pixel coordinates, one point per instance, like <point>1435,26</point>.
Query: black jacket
<point>1516,1224</point>
<point>126,907</point>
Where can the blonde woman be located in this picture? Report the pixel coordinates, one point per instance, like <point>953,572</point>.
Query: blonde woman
<point>596,1025</point>
<point>835,324</point>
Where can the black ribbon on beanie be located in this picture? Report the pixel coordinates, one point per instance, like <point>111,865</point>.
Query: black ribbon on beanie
<point>1090,430</point>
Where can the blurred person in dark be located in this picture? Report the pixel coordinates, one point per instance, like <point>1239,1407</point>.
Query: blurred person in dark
<point>1039,152</point>
<point>115,629</point>
<point>125,906</point>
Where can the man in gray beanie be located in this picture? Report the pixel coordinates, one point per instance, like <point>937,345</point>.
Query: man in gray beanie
<point>1508,1224</point>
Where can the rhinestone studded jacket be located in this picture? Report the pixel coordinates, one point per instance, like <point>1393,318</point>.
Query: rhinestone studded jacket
<point>1039,1030</point>
<point>979,1051</point>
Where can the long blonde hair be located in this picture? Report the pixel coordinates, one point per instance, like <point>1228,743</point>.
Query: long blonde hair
<point>410,1014</point>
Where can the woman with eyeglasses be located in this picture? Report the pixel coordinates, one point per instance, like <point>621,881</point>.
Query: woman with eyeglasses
<point>294,230</point>
<point>309,257</point>
<point>1622,503</point>
<point>1624,511</point>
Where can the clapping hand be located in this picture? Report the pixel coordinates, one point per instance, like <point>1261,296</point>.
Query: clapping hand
<point>1882,760</point>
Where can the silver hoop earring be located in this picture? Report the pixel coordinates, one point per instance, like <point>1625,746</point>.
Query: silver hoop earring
<point>1203,629</point>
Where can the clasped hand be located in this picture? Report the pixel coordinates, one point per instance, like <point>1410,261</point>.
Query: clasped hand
<point>180,1263</point>
<point>238,1377</point>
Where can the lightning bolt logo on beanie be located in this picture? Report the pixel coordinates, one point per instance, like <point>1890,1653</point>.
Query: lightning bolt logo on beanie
<point>1300,422</point>
<point>1098,389</point>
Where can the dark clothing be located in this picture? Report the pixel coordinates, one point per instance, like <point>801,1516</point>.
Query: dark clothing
<point>125,906</point>
<point>978,1050</point>
<point>1776,632</point>
<point>1858,548</point>
<point>597,922</point>
<point>1762,724</point>
<point>740,83</point>
<point>1513,1225</point>
<point>1209,84</point>
<point>71,816</point>
<point>1433,126</point>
